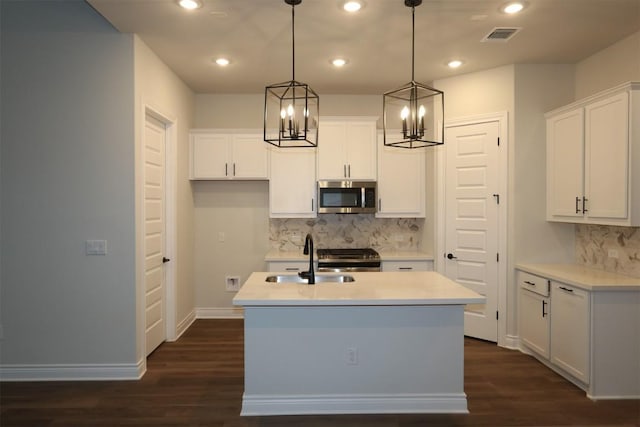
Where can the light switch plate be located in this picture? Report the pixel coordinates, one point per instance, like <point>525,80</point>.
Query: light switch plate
<point>95,247</point>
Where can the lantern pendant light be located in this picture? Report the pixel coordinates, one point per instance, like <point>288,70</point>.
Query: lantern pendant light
<point>413,114</point>
<point>291,109</point>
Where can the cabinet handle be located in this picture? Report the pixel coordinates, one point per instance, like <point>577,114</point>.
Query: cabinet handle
<point>529,283</point>
<point>234,169</point>
<point>577,202</point>
<point>344,170</point>
<point>566,289</point>
<point>380,204</point>
<point>544,303</point>
<point>405,268</point>
<point>349,171</point>
<point>584,205</point>
<point>312,204</point>
<point>226,171</point>
<point>292,269</point>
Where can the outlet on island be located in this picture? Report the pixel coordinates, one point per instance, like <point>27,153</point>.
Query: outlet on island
<point>352,356</point>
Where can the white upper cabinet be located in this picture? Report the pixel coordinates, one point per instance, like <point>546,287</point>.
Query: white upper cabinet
<point>593,159</point>
<point>347,148</point>
<point>220,155</point>
<point>401,181</point>
<point>292,186</point>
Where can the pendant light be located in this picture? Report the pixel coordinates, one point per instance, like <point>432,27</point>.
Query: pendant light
<point>413,114</point>
<point>291,109</point>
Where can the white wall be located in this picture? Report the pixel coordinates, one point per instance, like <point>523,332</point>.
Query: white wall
<point>67,175</point>
<point>525,92</point>
<point>241,209</point>
<point>619,63</point>
<point>538,89</point>
<point>158,88</point>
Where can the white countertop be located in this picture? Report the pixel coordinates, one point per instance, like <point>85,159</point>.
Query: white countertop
<point>283,256</point>
<point>583,277</point>
<point>379,288</point>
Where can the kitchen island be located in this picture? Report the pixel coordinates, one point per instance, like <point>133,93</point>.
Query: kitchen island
<point>387,342</point>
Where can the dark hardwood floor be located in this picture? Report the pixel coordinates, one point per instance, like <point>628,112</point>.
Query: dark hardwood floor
<point>198,381</point>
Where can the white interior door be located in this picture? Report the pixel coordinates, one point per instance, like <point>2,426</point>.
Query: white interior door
<point>471,220</point>
<point>154,232</point>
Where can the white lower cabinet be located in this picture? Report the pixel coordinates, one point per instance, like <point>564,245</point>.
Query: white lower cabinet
<point>589,335</point>
<point>570,330</point>
<point>416,265</point>
<point>288,266</point>
<point>534,321</point>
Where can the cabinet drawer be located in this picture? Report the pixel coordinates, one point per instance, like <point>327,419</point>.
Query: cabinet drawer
<point>407,266</point>
<point>292,266</point>
<point>533,283</point>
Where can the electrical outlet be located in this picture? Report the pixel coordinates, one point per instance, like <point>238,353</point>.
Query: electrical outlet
<point>232,283</point>
<point>352,356</point>
<point>95,247</point>
<point>612,253</point>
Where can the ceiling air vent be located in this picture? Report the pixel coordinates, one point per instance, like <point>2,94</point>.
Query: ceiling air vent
<point>500,34</point>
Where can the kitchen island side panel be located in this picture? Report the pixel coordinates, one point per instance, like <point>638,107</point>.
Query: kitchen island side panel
<point>403,358</point>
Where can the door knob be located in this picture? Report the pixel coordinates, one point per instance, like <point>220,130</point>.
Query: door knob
<point>450,256</point>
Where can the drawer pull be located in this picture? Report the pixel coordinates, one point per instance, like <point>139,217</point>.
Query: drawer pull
<point>529,283</point>
<point>405,268</point>
<point>566,289</point>
<point>292,269</point>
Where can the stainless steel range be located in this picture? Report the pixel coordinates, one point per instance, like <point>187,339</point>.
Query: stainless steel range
<point>340,260</point>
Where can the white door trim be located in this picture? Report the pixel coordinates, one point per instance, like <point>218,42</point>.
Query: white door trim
<point>503,159</point>
<point>170,268</point>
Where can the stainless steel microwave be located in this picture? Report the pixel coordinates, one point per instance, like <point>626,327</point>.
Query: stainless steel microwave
<point>347,197</point>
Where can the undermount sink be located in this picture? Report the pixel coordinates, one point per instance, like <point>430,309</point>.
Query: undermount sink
<point>294,278</point>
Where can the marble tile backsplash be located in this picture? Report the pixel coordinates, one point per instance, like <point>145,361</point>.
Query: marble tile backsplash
<point>347,231</point>
<point>594,244</point>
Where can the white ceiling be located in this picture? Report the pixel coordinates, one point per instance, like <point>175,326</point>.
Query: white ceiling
<point>256,36</point>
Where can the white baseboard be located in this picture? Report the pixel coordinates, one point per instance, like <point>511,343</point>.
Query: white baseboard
<point>106,372</point>
<point>219,313</point>
<point>354,404</point>
<point>511,342</point>
<point>185,323</point>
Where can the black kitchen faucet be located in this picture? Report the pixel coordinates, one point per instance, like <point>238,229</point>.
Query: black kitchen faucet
<point>308,250</point>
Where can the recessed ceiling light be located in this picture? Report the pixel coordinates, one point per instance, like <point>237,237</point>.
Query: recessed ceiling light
<point>455,63</point>
<point>339,62</point>
<point>223,62</point>
<point>352,6</point>
<point>190,4</point>
<point>512,8</point>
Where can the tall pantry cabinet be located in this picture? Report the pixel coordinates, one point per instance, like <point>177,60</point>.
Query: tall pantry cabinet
<point>593,159</point>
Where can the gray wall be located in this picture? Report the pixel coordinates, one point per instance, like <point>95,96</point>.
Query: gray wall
<point>67,175</point>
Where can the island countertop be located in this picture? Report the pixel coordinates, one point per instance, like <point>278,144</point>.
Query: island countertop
<point>369,288</point>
